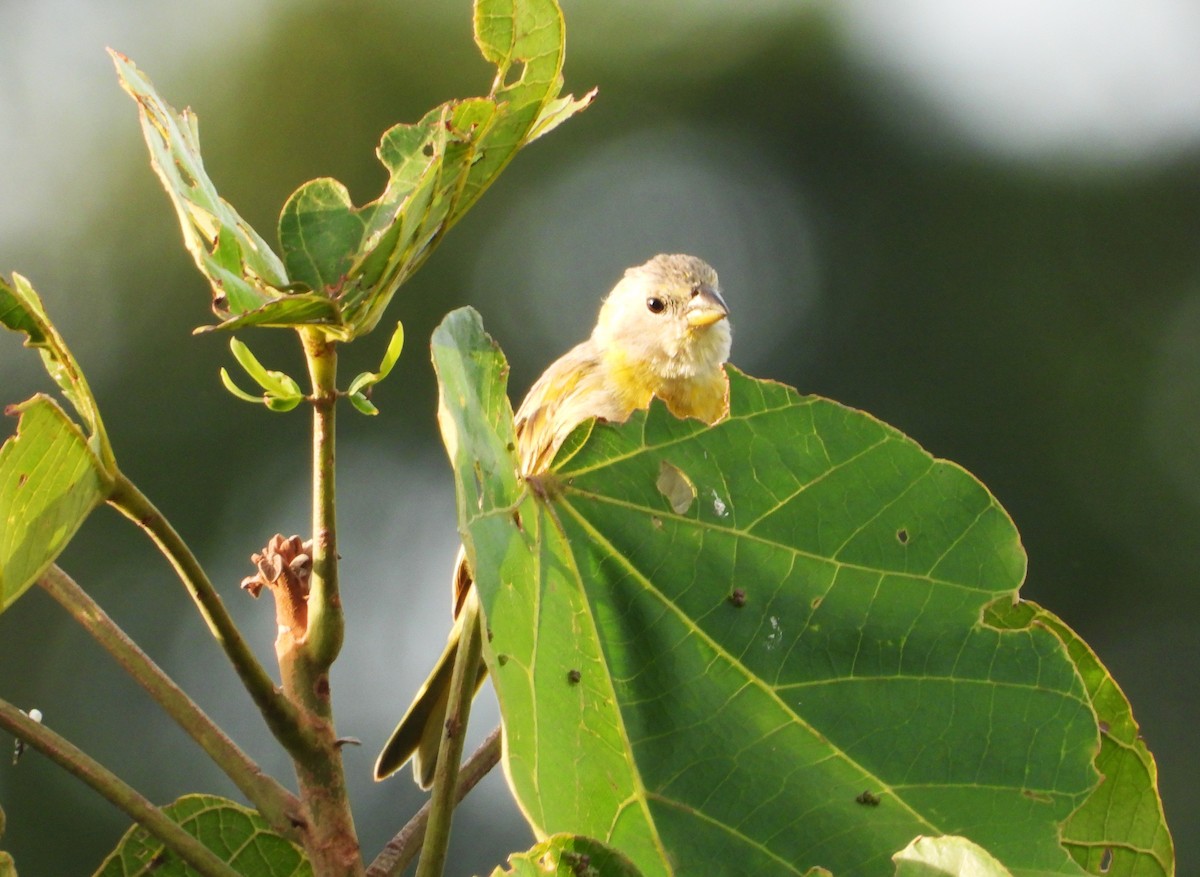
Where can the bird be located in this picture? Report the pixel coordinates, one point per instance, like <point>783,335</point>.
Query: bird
<point>662,332</point>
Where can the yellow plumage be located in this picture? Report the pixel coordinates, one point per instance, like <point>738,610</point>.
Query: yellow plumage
<point>662,332</point>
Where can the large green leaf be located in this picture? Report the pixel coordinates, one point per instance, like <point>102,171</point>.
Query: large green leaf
<point>437,168</point>
<point>793,669</point>
<point>568,855</point>
<point>1120,831</point>
<point>237,835</point>
<point>50,480</point>
<point>52,473</point>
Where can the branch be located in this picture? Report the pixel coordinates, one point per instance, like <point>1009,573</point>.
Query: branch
<point>280,715</point>
<point>277,805</point>
<point>445,777</point>
<point>326,623</point>
<point>109,785</point>
<point>403,848</point>
<point>306,652</point>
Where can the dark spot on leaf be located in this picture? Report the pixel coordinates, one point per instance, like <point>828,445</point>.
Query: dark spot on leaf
<point>185,176</point>
<point>816,603</point>
<point>1040,797</point>
<point>516,515</point>
<point>1106,860</point>
<point>738,597</point>
<point>580,863</point>
<point>902,536</point>
<point>573,676</point>
<point>501,660</point>
<point>489,633</point>
<point>868,799</point>
<point>22,478</point>
<point>427,149</point>
<point>1104,726</point>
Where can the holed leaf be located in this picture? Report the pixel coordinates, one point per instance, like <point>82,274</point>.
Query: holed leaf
<point>437,168</point>
<point>50,480</point>
<point>249,283</point>
<point>794,671</point>
<point>1120,831</point>
<point>237,835</point>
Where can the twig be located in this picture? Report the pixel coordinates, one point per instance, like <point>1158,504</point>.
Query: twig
<point>445,778</point>
<point>403,848</point>
<point>277,805</point>
<point>326,623</point>
<point>280,715</point>
<point>108,784</point>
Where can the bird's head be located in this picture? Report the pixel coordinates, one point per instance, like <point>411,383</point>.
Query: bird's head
<point>669,316</point>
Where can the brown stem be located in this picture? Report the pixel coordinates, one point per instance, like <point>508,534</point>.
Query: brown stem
<point>306,653</point>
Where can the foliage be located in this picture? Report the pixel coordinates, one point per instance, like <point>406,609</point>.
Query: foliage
<point>239,836</point>
<point>791,642</point>
<point>824,643</point>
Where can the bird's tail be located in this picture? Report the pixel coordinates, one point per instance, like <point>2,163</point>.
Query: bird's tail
<point>419,733</point>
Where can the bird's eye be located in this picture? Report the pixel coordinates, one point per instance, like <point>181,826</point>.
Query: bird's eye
<point>695,291</point>
<point>656,305</point>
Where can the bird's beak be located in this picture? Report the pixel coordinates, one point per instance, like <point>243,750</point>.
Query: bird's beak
<point>706,307</point>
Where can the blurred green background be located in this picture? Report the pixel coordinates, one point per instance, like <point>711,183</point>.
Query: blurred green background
<point>980,222</point>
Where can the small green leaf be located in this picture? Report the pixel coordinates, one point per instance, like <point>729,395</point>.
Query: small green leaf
<point>567,855</point>
<point>238,835</point>
<point>238,391</point>
<point>320,231</point>
<point>21,310</point>
<point>391,355</point>
<point>276,383</point>
<point>363,404</point>
<point>361,380</point>
<point>282,403</point>
<point>946,857</point>
<point>50,480</point>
